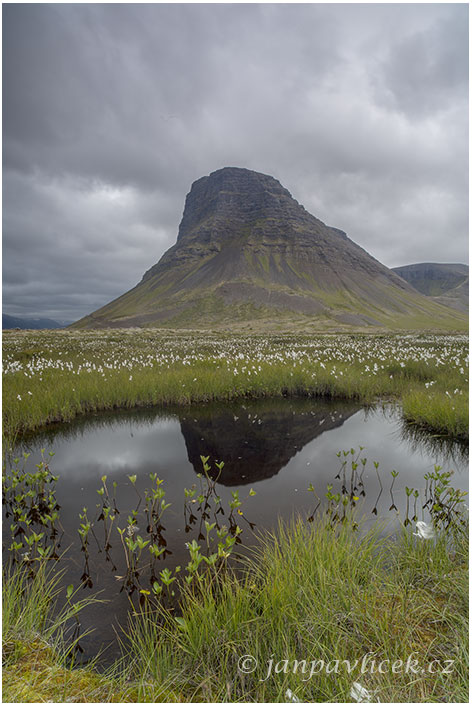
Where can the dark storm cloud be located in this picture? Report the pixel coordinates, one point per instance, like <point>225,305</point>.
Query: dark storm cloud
<point>111,111</point>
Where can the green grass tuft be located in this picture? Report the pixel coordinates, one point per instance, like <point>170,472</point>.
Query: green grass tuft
<point>313,593</point>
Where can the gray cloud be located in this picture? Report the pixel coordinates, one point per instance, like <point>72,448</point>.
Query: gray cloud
<point>428,68</point>
<point>111,111</point>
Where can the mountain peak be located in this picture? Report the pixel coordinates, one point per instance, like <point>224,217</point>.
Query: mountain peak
<point>235,197</point>
<point>232,177</point>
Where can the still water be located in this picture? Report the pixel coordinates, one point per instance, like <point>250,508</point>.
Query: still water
<point>276,448</point>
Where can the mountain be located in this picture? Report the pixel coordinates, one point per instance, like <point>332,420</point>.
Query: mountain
<point>447,283</point>
<point>247,254</point>
<point>9,322</point>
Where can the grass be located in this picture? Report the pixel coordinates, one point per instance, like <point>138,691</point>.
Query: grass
<point>311,592</point>
<point>38,648</point>
<point>55,376</point>
<point>446,414</point>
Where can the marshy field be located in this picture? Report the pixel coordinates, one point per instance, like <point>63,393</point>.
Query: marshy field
<point>201,516</point>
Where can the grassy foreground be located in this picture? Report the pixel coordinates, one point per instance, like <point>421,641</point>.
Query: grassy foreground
<point>327,596</point>
<point>312,593</point>
<point>37,646</point>
<point>52,376</point>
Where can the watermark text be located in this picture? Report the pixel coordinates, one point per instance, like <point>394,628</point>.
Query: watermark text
<point>370,663</point>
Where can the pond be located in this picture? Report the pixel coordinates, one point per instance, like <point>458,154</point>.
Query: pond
<point>272,451</point>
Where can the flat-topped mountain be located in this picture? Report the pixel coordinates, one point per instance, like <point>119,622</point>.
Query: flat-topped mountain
<point>447,283</point>
<point>247,252</point>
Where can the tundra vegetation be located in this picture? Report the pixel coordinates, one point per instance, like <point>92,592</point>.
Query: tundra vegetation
<point>330,589</point>
<point>52,376</point>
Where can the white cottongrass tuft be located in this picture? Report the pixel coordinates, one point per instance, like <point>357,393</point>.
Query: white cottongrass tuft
<point>360,694</point>
<point>425,531</point>
<point>290,696</point>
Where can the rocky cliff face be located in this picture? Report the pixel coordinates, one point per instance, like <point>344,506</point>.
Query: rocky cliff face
<point>237,215</point>
<point>447,283</point>
<point>247,250</point>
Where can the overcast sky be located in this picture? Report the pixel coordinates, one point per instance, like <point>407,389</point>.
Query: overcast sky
<point>110,112</point>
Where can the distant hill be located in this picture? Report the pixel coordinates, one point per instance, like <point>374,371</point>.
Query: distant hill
<point>9,322</point>
<point>446,283</point>
<point>249,256</point>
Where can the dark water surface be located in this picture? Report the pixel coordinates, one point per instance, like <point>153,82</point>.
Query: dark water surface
<point>275,447</point>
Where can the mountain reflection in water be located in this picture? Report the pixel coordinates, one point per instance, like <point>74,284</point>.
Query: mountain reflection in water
<point>256,441</point>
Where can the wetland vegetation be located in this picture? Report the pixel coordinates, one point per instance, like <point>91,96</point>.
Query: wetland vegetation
<point>54,376</point>
<point>334,588</point>
<point>310,592</point>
